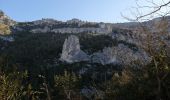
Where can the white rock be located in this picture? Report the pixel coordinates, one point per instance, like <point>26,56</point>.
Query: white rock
<point>118,55</point>
<point>71,51</point>
<point>107,56</point>
<point>121,55</point>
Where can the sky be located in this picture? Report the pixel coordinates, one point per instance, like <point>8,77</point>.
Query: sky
<point>87,10</point>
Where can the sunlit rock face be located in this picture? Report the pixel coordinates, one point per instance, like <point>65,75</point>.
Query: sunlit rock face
<point>129,57</point>
<point>81,30</point>
<point>5,23</point>
<point>4,19</point>
<point>71,51</point>
<point>117,55</point>
<point>70,26</point>
<point>120,55</point>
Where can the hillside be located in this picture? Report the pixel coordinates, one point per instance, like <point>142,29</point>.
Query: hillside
<point>5,23</point>
<point>80,59</point>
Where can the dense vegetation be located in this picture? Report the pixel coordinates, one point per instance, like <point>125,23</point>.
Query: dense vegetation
<point>30,69</point>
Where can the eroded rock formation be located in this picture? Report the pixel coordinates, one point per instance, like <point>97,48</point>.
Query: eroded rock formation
<point>121,55</point>
<point>71,51</point>
<point>118,55</point>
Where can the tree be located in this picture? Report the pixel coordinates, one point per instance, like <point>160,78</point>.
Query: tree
<point>68,83</point>
<point>155,42</point>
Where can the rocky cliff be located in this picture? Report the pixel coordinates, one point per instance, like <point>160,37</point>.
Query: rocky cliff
<point>70,26</point>
<point>125,46</point>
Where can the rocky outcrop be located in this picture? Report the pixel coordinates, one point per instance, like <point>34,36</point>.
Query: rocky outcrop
<point>70,26</point>
<point>5,23</point>
<point>118,55</point>
<point>81,30</point>
<point>4,19</point>
<point>107,56</point>
<point>71,51</point>
<point>39,30</point>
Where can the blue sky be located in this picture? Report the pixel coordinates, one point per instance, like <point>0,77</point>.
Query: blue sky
<point>89,10</point>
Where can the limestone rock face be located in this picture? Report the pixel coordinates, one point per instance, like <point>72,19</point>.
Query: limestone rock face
<point>128,57</point>
<point>71,26</point>
<point>107,56</point>
<point>81,30</point>
<point>39,30</point>
<point>5,23</point>
<point>71,51</point>
<point>4,19</point>
<point>120,55</point>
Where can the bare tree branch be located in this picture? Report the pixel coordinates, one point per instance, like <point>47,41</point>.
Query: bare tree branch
<point>158,8</point>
